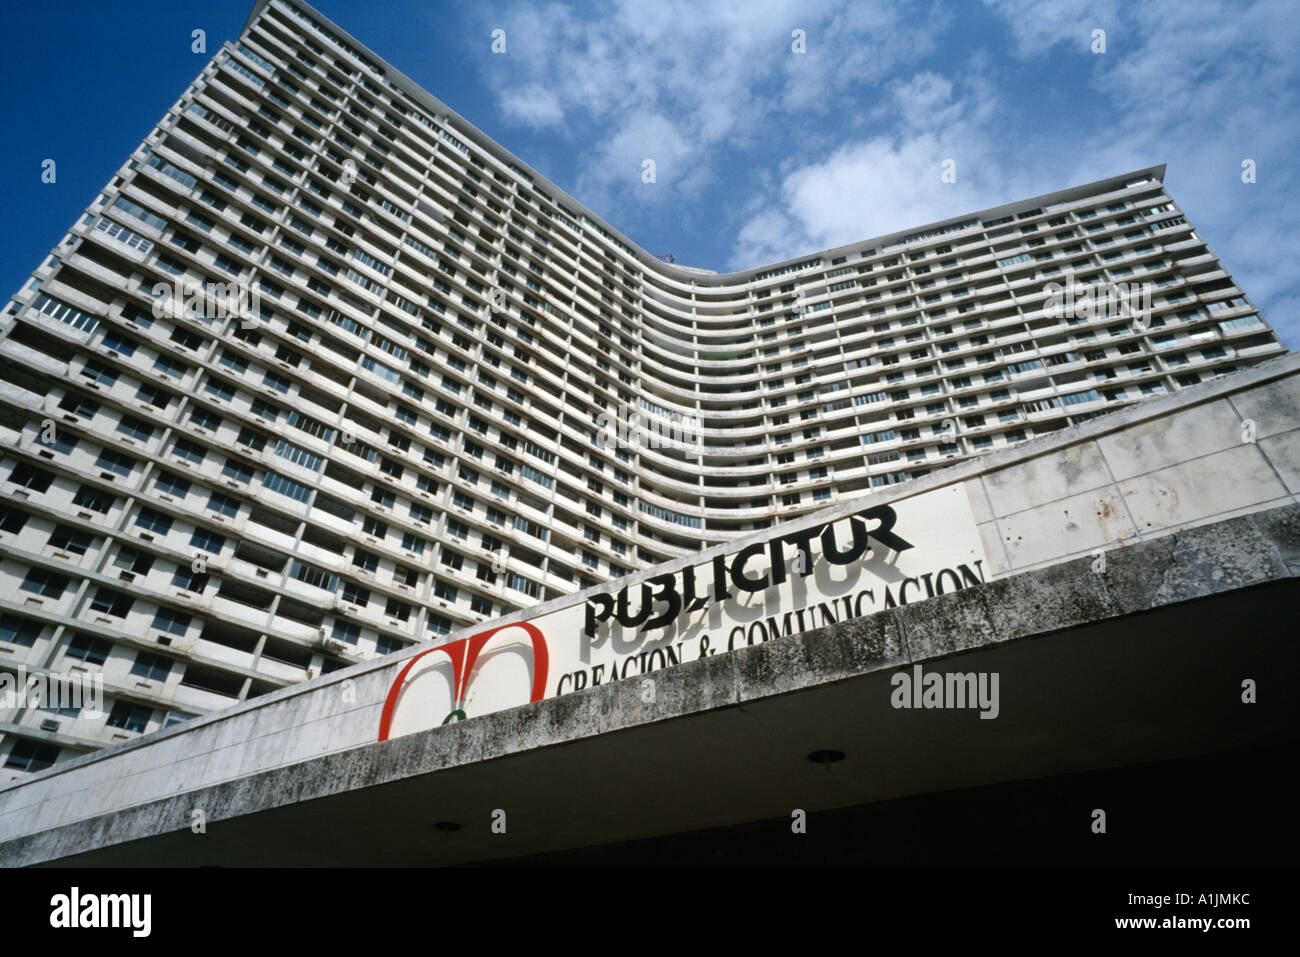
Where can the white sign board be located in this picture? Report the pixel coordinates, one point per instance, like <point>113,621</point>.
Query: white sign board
<point>880,557</point>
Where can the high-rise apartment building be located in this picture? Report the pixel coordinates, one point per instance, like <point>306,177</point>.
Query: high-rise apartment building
<point>426,388</point>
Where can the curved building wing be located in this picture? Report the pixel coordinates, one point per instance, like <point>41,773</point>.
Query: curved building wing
<point>323,371</point>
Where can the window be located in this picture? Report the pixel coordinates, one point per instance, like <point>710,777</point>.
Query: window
<point>172,484</point>
<point>92,498</point>
<point>189,580</point>
<point>86,408</point>
<point>44,582</point>
<point>278,483</point>
<point>71,540</point>
<point>28,755</point>
<point>130,717</point>
<point>237,471</point>
<point>223,505</point>
<point>115,462</point>
<point>346,632</point>
<point>153,395</point>
<point>1078,397</point>
<point>1242,322</point>
<point>108,601</point>
<point>64,313</point>
<point>88,648</point>
<point>298,455</point>
<point>522,584</point>
<point>234,360</point>
<point>176,717</point>
<point>29,477</point>
<point>265,410</point>
<point>153,521</point>
<point>277,382</point>
<point>355,594</point>
<point>151,667</point>
<point>134,428</point>
<point>206,541</point>
<point>171,621</point>
<point>17,630</point>
<point>312,575</point>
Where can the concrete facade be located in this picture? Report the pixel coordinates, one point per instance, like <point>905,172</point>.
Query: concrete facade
<point>1190,500</point>
<point>425,428</point>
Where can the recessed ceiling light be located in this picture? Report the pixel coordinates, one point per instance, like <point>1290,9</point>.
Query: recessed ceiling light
<point>826,756</point>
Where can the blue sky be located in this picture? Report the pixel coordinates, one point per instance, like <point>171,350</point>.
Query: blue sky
<point>761,153</point>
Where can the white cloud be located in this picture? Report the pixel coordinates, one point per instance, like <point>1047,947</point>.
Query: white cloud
<point>885,183</point>
<point>615,165</point>
<point>532,105</point>
<point>1039,25</point>
<point>688,78</point>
